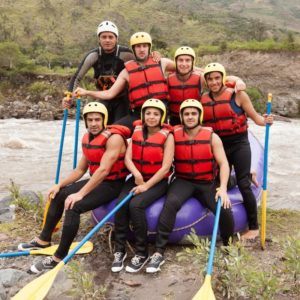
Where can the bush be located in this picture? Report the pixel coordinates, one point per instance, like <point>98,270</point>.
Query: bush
<point>257,99</point>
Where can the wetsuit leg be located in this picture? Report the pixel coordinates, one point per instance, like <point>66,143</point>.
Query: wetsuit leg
<point>103,193</point>
<point>239,155</point>
<point>206,195</point>
<point>137,208</point>
<point>56,208</point>
<point>122,217</point>
<point>179,191</point>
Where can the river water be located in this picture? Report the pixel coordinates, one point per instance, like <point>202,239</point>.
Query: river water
<point>29,150</point>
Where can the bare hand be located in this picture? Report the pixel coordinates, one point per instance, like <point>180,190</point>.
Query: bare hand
<point>67,102</point>
<point>80,91</point>
<point>53,191</point>
<point>138,179</point>
<point>156,56</point>
<point>254,178</point>
<point>239,86</point>
<point>268,119</point>
<point>222,193</point>
<point>71,200</point>
<point>139,189</point>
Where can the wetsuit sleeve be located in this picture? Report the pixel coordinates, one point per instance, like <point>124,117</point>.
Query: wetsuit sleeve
<point>127,56</point>
<point>87,63</point>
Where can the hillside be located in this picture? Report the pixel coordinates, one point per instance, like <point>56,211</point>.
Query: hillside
<point>62,31</point>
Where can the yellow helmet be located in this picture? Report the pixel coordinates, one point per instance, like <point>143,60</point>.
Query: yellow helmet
<point>156,104</point>
<point>185,50</point>
<point>215,67</point>
<point>97,108</point>
<point>141,38</point>
<point>192,103</point>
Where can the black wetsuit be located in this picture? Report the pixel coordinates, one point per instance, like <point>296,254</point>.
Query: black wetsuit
<point>107,66</point>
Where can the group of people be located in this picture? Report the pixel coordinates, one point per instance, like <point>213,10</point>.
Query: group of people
<point>176,128</point>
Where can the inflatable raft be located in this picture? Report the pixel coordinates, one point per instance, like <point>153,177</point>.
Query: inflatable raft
<point>193,214</point>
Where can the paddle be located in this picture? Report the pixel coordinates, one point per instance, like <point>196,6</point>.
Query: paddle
<point>86,248</point>
<point>76,130</point>
<point>61,146</point>
<point>206,292</point>
<point>38,288</point>
<point>265,192</point>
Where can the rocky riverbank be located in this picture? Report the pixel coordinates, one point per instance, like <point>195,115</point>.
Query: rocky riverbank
<point>244,273</point>
<point>39,96</point>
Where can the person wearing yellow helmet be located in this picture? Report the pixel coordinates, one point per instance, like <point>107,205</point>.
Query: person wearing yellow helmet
<point>226,112</point>
<point>144,77</point>
<point>107,61</point>
<point>198,153</point>
<point>103,155</point>
<point>188,81</point>
<point>149,158</point>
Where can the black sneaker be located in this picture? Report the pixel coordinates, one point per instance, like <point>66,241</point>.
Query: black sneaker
<point>32,245</point>
<point>118,263</point>
<point>157,260</point>
<point>136,263</point>
<point>47,263</point>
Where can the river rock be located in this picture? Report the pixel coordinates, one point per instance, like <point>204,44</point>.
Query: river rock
<point>31,196</point>
<point>10,277</point>
<point>2,292</point>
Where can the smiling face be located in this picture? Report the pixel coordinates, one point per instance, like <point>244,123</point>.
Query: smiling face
<point>152,117</point>
<point>190,117</point>
<point>184,64</point>
<point>141,51</point>
<point>107,41</point>
<point>214,81</point>
<point>94,122</point>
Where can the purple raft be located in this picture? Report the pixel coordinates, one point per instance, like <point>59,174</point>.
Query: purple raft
<point>193,214</point>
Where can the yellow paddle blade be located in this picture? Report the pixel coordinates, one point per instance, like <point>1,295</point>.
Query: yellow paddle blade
<point>263,219</point>
<point>86,248</point>
<point>58,225</point>
<point>205,292</point>
<point>39,288</point>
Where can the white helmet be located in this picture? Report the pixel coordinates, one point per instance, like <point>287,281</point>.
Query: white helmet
<point>107,26</point>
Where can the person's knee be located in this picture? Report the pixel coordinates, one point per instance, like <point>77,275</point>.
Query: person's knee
<point>244,182</point>
<point>71,217</point>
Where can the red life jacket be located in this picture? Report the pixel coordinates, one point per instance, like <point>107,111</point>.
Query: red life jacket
<point>94,150</point>
<point>182,90</point>
<point>194,159</point>
<point>145,82</point>
<point>147,155</point>
<point>220,114</point>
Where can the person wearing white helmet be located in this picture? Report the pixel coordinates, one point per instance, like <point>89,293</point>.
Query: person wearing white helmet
<point>199,153</point>
<point>144,77</point>
<point>103,155</point>
<point>107,60</point>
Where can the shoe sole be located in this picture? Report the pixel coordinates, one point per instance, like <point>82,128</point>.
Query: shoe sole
<point>152,270</point>
<point>118,269</point>
<point>130,270</point>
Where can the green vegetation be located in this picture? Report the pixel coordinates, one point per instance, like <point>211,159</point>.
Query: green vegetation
<point>83,283</point>
<point>257,99</point>
<point>23,203</point>
<point>56,34</point>
<point>239,274</point>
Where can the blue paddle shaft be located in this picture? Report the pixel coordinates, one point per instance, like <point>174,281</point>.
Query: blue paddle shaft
<point>61,146</point>
<point>214,239</point>
<point>266,150</point>
<point>97,227</point>
<point>76,133</point>
<point>14,254</point>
